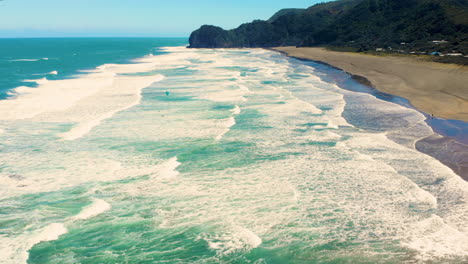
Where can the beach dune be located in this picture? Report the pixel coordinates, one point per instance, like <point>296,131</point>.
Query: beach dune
<point>434,88</point>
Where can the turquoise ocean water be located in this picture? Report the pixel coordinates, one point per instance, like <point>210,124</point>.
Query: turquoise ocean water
<point>143,151</point>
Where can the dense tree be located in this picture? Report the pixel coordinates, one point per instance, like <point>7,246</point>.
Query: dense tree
<point>359,24</point>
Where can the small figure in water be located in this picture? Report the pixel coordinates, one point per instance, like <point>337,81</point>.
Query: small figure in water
<point>167,93</point>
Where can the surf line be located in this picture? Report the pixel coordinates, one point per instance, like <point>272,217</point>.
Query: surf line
<point>85,126</point>
<point>229,122</point>
<point>55,230</point>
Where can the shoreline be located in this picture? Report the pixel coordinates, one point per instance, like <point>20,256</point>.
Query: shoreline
<point>449,144</point>
<point>434,88</point>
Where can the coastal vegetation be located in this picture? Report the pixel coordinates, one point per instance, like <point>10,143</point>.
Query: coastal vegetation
<point>412,26</point>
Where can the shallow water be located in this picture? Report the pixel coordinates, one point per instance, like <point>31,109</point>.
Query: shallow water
<point>220,156</point>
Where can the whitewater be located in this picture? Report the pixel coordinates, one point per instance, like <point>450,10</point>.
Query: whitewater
<point>219,156</point>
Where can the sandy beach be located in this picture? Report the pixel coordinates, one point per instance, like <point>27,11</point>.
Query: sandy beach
<point>434,88</point>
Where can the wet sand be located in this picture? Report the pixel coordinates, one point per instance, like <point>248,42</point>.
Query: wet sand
<point>434,88</point>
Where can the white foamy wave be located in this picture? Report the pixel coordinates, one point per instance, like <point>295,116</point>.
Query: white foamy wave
<point>435,239</point>
<point>319,93</point>
<point>18,253</point>
<point>59,95</point>
<point>26,60</point>
<point>16,250</point>
<point>53,72</point>
<point>332,125</point>
<point>227,123</point>
<point>291,107</point>
<point>244,88</point>
<point>85,127</point>
<point>230,96</point>
<point>38,81</point>
<point>50,233</point>
<point>124,94</point>
<point>45,58</point>
<point>96,208</point>
<point>163,173</point>
<point>168,169</point>
<point>52,96</point>
<point>251,239</point>
<point>236,110</point>
<point>240,239</point>
<point>80,165</point>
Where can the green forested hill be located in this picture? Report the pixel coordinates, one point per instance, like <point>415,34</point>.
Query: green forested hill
<point>360,24</point>
<point>287,11</point>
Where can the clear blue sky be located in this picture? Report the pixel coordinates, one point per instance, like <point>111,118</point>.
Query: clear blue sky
<point>163,18</point>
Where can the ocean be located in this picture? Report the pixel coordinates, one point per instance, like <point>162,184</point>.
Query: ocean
<point>143,151</point>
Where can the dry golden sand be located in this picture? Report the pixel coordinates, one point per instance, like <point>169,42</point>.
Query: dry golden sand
<point>435,88</point>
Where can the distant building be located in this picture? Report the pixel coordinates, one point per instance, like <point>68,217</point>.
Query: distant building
<point>379,49</point>
<point>454,54</point>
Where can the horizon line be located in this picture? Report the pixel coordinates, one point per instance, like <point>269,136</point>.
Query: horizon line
<point>88,37</point>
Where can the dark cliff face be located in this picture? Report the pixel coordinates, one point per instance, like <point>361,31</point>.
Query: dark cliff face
<point>210,37</point>
<point>256,34</point>
<point>361,24</point>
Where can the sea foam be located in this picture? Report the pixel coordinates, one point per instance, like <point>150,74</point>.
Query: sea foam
<point>96,208</point>
<point>319,180</point>
<point>240,239</point>
<point>236,110</point>
<point>26,60</point>
<point>87,99</point>
<point>38,81</point>
<point>50,233</point>
<point>123,94</point>
<point>168,169</point>
<point>436,239</point>
<point>16,250</point>
<point>227,123</point>
<point>52,96</point>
